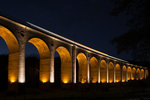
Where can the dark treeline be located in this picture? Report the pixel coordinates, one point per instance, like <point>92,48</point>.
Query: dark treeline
<point>136,40</point>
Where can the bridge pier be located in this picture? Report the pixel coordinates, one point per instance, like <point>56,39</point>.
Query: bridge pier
<point>21,75</point>
<point>52,69</point>
<point>88,69</point>
<point>107,62</point>
<point>99,77</point>
<point>74,64</point>
<point>126,73</point>
<point>121,71</point>
<point>114,72</point>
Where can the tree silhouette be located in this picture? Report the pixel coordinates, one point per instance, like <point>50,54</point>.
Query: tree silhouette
<point>136,40</point>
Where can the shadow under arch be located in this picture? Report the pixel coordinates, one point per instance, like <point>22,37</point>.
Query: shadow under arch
<point>44,54</point>
<point>142,74</point>
<point>82,68</point>
<point>93,70</point>
<point>111,72</point>
<point>13,57</point>
<point>118,73</point>
<point>32,66</point>
<point>124,73</point>
<point>137,74</point>
<point>65,64</point>
<point>133,73</point>
<point>129,72</point>
<point>103,71</point>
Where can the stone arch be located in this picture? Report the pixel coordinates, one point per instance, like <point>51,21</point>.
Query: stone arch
<point>129,72</point>
<point>65,64</point>
<point>118,73</point>
<point>111,72</point>
<point>146,73</point>
<point>137,74</point>
<point>133,73</point>
<point>13,48</point>
<point>124,73</point>
<point>82,70</point>
<point>103,71</point>
<point>44,53</point>
<point>142,74</point>
<point>94,70</point>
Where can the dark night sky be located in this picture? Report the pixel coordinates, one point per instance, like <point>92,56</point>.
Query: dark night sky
<point>85,21</point>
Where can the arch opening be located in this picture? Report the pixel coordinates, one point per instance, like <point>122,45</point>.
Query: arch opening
<point>142,74</point>
<point>118,73</point>
<point>82,68</point>
<point>129,72</point>
<point>94,70</point>
<point>44,57</point>
<point>137,74</point>
<point>103,71</point>
<point>111,72</point>
<point>133,73</point>
<point>124,72</point>
<point>4,64</point>
<point>57,67</point>
<point>65,64</point>
<point>146,73</point>
<point>32,65</point>
<point>13,55</point>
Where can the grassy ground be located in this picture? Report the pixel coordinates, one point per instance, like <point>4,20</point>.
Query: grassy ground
<point>134,90</point>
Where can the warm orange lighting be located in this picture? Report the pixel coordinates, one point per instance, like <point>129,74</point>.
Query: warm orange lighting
<point>13,47</point>
<point>94,81</point>
<point>110,72</point>
<point>103,71</point>
<point>65,81</point>
<point>110,81</point>
<point>103,81</point>
<point>117,80</point>
<point>83,81</point>
<point>65,64</point>
<point>82,72</point>
<point>12,79</point>
<point>123,80</point>
<point>93,70</point>
<point>118,73</point>
<point>44,80</point>
<point>44,53</point>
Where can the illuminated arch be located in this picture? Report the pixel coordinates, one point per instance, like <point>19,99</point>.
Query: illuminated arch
<point>44,58</point>
<point>124,71</point>
<point>65,64</point>
<point>129,72</point>
<point>111,72</point>
<point>137,74</point>
<point>142,74</point>
<point>82,70</point>
<point>94,70</point>
<point>118,73</point>
<point>103,71</point>
<point>13,59</point>
<point>133,73</point>
<point>146,73</point>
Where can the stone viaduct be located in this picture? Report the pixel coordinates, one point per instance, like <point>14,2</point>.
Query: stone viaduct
<point>93,66</point>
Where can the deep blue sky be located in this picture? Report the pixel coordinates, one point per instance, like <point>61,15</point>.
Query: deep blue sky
<point>85,21</point>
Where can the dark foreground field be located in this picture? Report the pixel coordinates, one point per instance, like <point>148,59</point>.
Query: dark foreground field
<point>134,90</point>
